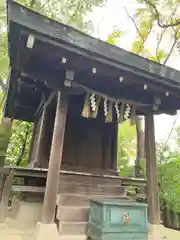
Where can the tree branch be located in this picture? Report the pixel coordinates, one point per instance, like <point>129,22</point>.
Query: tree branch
<point>157,13</point>
<point>138,31</point>
<point>18,161</point>
<point>32,3</point>
<point>134,22</point>
<point>171,49</point>
<point>161,37</point>
<point>158,45</point>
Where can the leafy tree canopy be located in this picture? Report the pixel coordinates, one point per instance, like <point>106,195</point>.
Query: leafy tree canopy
<point>71,12</point>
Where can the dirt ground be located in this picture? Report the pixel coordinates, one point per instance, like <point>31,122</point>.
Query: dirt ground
<point>170,234</point>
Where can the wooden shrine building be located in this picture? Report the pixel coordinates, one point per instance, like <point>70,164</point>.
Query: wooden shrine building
<point>76,89</point>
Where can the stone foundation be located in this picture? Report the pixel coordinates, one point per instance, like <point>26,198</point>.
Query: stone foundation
<point>21,221</point>
<point>7,233</point>
<point>156,232</point>
<point>46,232</point>
<point>25,216</point>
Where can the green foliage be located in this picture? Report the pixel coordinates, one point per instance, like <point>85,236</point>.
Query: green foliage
<point>112,37</point>
<point>169,176</point>
<point>169,173</point>
<point>71,12</point>
<point>4,60</point>
<point>126,148</point>
<point>14,151</point>
<point>143,30</point>
<point>5,134</point>
<point>168,161</point>
<point>146,15</point>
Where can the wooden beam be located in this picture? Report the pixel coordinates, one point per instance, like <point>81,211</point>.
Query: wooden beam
<point>113,99</point>
<point>26,84</point>
<point>152,179</point>
<point>45,102</point>
<point>4,171</point>
<point>39,108</point>
<point>24,189</point>
<point>55,159</point>
<point>137,182</point>
<point>24,107</point>
<point>50,98</point>
<point>139,99</point>
<point>82,88</point>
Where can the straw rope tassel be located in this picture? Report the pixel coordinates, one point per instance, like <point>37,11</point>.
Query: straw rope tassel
<point>117,107</point>
<point>121,115</point>
<point>105,107</point>
<point>86,112</point>
<point>93,102</point>
<point>94,114</point>
<point>109,113</point>
<point>127,112</point>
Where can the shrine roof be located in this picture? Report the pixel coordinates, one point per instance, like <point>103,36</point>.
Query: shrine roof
<point>57,47</point>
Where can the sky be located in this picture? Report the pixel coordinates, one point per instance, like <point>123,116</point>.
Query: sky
<point>113,15</point>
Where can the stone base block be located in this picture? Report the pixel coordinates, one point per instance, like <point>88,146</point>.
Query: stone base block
<point>46,232</point>
<point>157,232</point>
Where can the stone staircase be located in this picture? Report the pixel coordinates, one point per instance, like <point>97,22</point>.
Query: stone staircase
<point>74,198</point>
<point>72,207</point>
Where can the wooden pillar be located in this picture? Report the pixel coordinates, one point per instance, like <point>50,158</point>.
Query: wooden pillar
<point>55,159</point>
<point>140,147</point>
<point>32,143</point>
<point>114,147</point>
<point>152,179</point>
<point>41,137</point>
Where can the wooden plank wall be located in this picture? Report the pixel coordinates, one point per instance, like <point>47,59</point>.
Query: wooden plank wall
<point>89,143</point>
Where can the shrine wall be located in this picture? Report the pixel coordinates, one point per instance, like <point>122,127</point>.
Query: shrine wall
<point>89,144</point>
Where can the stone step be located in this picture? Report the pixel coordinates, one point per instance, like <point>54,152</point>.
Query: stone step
<point>73,237</point>
<point>84,199</point>
<point>98,189</point>
<point>72,214</point>
<point>73,228</point>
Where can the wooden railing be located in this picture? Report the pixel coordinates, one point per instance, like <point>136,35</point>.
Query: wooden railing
<point>135,187</point>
